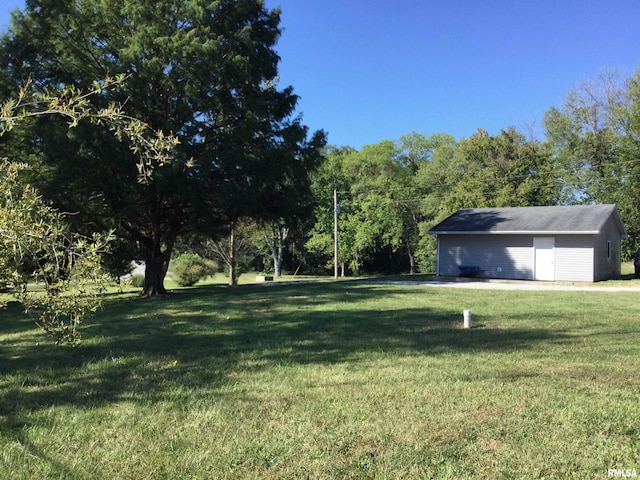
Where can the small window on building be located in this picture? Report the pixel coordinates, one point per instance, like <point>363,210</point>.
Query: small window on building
<point>608,249</point>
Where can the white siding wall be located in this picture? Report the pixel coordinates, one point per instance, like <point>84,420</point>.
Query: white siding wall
<point>607,266</point>
<point>574,258</point>
<point>498,256</point>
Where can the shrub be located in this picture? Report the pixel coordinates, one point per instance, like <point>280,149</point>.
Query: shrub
<point>427,264</point>
<point>137,281</point>
<point>188,268</point>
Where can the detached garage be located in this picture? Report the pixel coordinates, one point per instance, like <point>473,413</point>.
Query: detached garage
<point>561,243</point>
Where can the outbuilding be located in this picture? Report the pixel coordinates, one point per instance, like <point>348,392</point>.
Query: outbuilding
<point>558,243</point>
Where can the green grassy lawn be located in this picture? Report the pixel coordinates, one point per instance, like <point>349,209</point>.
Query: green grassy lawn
<point>327,380</point>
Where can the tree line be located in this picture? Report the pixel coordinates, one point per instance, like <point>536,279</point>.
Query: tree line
<point>393,192</point>
<point>231,172</point>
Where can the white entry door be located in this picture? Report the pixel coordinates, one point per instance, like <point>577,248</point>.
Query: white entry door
<point>543,250</point>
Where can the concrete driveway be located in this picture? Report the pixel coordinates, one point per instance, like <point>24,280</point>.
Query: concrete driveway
<point>517,285</point>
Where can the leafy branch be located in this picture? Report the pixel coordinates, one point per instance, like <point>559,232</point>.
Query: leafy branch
<point>36,244</point>
<point>152,148</point>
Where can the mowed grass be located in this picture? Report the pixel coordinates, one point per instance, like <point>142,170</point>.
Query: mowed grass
<point>330,380</point>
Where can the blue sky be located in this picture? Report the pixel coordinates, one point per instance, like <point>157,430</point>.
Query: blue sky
<point>371,70</point>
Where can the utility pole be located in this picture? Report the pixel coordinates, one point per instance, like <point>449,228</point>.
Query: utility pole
<point>336,211</point>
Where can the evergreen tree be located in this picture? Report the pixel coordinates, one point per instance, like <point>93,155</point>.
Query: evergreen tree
<point>203,71</point>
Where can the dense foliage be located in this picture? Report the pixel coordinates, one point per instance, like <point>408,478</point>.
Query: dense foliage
<point>36,245</point>
<point>189,268</point>
<point>393,192</point>
<point>595,139</point>
<point>203,71</point>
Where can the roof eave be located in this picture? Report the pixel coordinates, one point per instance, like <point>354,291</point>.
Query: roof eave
<point>517,232</point>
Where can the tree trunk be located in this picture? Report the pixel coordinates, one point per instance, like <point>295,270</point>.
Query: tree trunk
<point>233,275</point>
<point>156,267</point>
<point>412,259</point>
<point>276,243</point>
<point>277,260</point>
<point>407,237</point>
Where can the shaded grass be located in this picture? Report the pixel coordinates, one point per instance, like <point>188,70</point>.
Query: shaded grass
<point>337,380</point>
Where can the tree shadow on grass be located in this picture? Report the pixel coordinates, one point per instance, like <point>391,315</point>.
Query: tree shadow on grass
<point>141,350</point>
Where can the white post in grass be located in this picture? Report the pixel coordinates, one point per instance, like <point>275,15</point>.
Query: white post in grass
<point>467,318</point>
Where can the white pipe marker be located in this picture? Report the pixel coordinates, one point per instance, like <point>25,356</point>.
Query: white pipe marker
<point>467,318</point>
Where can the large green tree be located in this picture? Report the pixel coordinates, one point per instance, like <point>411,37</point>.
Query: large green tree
<point>376,215</point>
<point>629,200</point>
<point>424,160</point>
<point>594,135</point>
<point>378,204</point>
<point>504,170</point>
<point>435,176</point>
<point>586,133</point>
<point>204,71</point>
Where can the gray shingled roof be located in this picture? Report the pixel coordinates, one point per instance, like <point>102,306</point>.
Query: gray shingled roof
<point>575,219</point>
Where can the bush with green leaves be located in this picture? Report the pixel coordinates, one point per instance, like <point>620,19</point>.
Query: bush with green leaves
<point>38,247</point>
<point>136,281</point>
<point>189,268</point>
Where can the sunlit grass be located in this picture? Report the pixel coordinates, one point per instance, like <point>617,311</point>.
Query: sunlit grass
<point>333,380</point>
